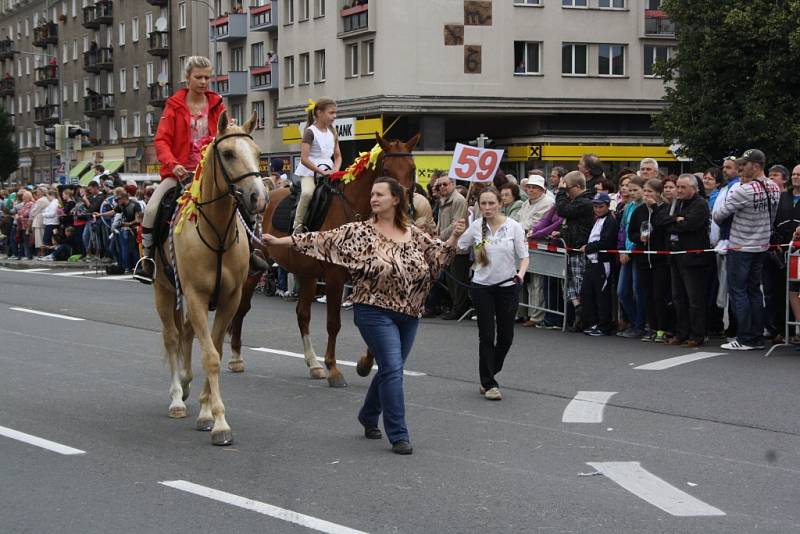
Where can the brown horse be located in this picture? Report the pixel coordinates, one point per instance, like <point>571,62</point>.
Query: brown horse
<point>212,257</point>
<point>352,205</point>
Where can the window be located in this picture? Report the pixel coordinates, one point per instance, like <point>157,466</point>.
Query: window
<point>149,121</point>
<point>28,28</point>
<point>527,58</point>
<point>182,63</point>
<point>573,3</point>
<point>369,57</point>
<point>64,7</point>
<point>319,60</point>
<point>304,10</point>
<point>27,66</point>
<point>289,62</point>
<point>149,74</point>
<point>74,9</point>
<point>527,2</point>
<point>85,43</point>
<point>288,8</point>
<point>653,4</point>
<point>351,69</point>
<point>65,52</point>
<point>137,127</point>
<point>611,60</point>
<point>237,58</point>
<point>123,80</point>
<point>573,59</point>
<point>74,50</point>
<point>258,108</point>
<point>257,55</point>
<point>182,15</point>
<point>123,126</point>
<point>65,93</point>
<point>319,8</point>
<point>653,54</point>
<point>237,113</point>
<point>148,23</point>
<point>121,30</point>
<point>218,63</point>
<point>109,37</point>
<point>75,92</point>
<point>38,137</point>
<point>305,69</point>
<point>110,84</point>
<point>135,30</point>
<point>135,78</point>
<point>612,4</point>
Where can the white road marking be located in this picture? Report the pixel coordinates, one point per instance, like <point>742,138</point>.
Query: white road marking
<point>39,442</point>
<point>116,277</point>
<point>37,270</point>
<point>339,362</point>
<point>660,365</point>
<point>76,273</point>
<point>46,314</point>
<point>262,508</point>
<point>648,487</point>
<point>587,407</point>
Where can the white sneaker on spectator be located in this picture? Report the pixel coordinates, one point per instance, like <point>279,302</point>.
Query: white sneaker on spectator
<point>323,299</point>
<point>346,305</point>
<point>49,257</point>
<point>735,345</point>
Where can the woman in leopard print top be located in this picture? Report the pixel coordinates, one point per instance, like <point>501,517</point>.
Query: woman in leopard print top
<point>392,265</point>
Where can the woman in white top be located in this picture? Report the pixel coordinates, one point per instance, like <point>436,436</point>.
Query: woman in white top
<point>501,260</point>
<point>319,153</point>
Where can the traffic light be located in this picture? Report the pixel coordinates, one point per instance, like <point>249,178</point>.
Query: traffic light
<point>76,133</point>
<point>50,137</point>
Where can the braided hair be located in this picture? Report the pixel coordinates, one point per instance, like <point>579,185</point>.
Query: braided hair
<point>481,256</point>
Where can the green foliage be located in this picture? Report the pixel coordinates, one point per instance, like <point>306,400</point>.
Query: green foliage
<point>9,155</point>
<point>734,82</point>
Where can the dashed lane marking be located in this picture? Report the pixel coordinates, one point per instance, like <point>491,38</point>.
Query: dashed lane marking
<point>587,407</point>
<point>46,314</point>
<point>648,487</point>
<point>39,442</point>
<point>260,507</point>
<point>660,365</point>
<point>339,362</point>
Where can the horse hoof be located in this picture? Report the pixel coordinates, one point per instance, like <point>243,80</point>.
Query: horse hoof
<point>337,381</point>
<point>317,373</point>
<point>185,392</point>
<point>363,369</point>
<point>236,366</point>
<point>222,439</point>
<point>204,425</point>
<point>177,412</point>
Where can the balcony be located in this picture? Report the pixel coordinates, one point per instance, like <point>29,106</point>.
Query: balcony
<point>45,34</point>
<point>158,44</point>
<point>97,105</point>
<point>658,24</point>
<point>100,13</point>
<point>158,94</point>
<point>264,78</point>
<point>8,87</point>
<point>46,115</point>
<point>355,20</point>
<point>44,76</point>
<point>98,60</point>
<point>232,84</point>
<point>231,27</point>
<point>7,49</point>
<point>264,18</point>
<point>158,3</point>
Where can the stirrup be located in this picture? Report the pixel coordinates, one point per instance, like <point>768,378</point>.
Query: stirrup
<point>139,267</point>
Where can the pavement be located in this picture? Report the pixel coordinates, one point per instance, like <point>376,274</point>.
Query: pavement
<point>594,435</point>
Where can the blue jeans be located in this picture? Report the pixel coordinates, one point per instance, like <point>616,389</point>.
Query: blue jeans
<point>631,295</point>
<point>127,255</point>
<point>744,288</point>
<point>389,336</point>
<point>88,228</point>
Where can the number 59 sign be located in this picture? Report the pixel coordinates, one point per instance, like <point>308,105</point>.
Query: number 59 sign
<point>474,164</point>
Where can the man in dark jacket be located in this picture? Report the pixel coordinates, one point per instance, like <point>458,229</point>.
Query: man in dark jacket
<point>597,284</point>
<point>687,228</point>
<point>592,169</point>
<point>574,205</point>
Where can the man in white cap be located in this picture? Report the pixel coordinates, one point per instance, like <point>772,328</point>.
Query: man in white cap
<point>537,205</point>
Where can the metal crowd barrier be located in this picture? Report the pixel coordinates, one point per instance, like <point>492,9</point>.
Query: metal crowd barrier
<point>792,275</point>
<point>551,265</point>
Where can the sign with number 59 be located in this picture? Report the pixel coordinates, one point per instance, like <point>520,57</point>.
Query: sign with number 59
<point>474,164</point>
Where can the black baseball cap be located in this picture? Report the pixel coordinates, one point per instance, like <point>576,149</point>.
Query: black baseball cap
<point>753,155</point>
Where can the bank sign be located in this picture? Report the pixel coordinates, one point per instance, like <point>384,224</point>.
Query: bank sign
<point>349,129</point>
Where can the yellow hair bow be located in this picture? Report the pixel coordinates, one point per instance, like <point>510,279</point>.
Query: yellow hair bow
<point>311,105</point>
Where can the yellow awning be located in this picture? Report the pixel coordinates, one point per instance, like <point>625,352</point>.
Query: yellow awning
<point>607,152</point>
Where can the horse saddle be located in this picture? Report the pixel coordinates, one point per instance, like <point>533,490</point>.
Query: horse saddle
<point>283,217</point>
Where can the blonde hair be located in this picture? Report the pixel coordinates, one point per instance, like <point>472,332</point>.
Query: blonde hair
<point>195,62</point>
<point>321,105</point>
<point>575,178</point>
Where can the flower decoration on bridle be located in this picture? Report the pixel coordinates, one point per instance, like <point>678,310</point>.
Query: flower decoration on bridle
<point>365,160</point>
<point>187,203</point>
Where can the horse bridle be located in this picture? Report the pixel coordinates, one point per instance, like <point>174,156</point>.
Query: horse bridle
<point>230,182</point>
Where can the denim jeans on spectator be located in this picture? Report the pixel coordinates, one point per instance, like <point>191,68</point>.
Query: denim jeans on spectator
<point>389,336</point>
<point>745,270</point>
<point>88,229</point>
<point>631,295</point>
<point>126,255</point>
<point>283,282</point>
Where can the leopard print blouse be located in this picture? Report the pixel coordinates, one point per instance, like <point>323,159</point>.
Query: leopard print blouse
<point>386,274</point>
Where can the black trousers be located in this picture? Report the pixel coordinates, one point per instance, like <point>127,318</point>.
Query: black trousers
<point>495,308</point>
<point>459,270</point>
<point>596,297</point>
<point>655,283</point>
<point>689,297</point>
<point>774,283</point>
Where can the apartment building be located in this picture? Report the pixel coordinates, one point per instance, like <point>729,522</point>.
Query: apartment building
<point>107,66</point>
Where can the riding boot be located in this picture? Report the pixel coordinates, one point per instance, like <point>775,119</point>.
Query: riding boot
<point>145,267</point>
<point>258,263</point>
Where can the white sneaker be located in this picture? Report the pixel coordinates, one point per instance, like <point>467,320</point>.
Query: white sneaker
<point>346,305</point>
<point>323,299</point>
<point>493,394</point>
<point>735,345</point>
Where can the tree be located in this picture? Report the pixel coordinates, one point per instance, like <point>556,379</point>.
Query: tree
<point>734,82</point>
<point>9,155</point>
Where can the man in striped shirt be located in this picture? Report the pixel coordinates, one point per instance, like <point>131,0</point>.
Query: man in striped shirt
<point>753,206</point>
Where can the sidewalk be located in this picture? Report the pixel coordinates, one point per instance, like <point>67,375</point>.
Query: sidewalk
<point>36,264</point>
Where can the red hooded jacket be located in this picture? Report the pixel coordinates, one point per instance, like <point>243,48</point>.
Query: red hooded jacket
<point>173,137</point>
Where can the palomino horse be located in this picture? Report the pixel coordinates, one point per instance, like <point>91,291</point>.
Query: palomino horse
<point>212,258</point>
<point>352,205</point>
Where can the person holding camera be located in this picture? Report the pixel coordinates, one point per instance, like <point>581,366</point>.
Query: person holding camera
<point>501,261</point>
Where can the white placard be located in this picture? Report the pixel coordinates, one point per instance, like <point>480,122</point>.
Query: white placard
<point>474,164</point>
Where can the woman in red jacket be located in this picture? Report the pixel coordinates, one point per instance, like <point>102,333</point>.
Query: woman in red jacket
<point>189,121</point>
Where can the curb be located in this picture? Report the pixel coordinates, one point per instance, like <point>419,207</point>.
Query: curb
<point>34,264</point>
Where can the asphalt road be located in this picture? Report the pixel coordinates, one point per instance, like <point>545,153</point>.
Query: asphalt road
<point>710,445</point>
